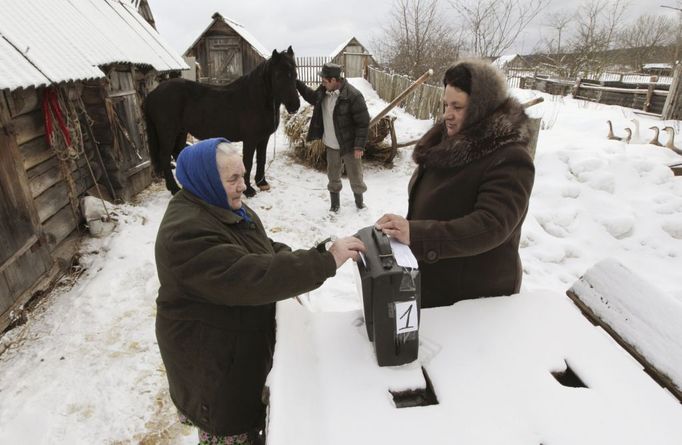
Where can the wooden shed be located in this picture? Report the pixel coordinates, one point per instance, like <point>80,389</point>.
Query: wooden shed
<point>71,88</point>
<point>353,56</point>
<point>225,51</point>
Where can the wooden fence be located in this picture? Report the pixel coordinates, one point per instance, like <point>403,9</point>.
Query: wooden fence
<point>423,103</point>
<point>648,97</point>
<point>308,67</point>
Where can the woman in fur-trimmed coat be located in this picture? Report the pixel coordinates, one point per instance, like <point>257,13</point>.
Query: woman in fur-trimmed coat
<point>469,195</point>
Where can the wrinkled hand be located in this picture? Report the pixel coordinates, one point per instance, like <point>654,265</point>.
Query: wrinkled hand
<point>358,153</point>
<point>344,248</point>
<point>395,226</point>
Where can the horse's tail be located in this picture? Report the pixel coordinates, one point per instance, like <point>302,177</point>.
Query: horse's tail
<point>152,139</point>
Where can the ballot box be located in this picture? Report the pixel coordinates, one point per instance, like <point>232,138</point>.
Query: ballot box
<point>391,298</point>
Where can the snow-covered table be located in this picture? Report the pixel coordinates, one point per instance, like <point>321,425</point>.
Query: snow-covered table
<point>490,362</point>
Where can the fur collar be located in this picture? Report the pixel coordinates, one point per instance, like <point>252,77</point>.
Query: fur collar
<point>506,125</point>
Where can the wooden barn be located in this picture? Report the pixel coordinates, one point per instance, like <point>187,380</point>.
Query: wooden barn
<point>72,78</point>
<point>353,57</point>
<point>225,51</point>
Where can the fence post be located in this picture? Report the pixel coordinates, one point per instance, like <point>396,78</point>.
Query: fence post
<point>576,87</point>
<point>670,109</point>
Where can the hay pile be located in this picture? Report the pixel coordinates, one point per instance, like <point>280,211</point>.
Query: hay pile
<point>312,154</point>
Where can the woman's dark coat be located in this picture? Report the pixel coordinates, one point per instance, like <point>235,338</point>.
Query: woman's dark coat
<point>469,196</point>
<point>220,276</point>
<point>351,118</point>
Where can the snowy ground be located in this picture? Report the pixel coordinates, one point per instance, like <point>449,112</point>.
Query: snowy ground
<point>86,369</point>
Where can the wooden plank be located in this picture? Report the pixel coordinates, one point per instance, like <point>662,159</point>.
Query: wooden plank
<point>47,174</point>
<point>659,377</point>
<point>24,271</point>
<point>609,295</point>
<point>22,250</point>
<point>50,202</point>
<point>29,126</point>
<point>35,151</point>
<point>6,299</point>
<point>43,284</point>
<point>59,226</point>
<point>24,101</point>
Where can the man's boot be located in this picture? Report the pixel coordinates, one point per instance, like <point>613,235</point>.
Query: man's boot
<point>358,201</point>
<point>336,201</point>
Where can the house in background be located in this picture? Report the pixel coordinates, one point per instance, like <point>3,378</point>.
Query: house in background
<point>71,89</point>
<point>225,51</point>
<point>658,69</point>
<point>353,56</point>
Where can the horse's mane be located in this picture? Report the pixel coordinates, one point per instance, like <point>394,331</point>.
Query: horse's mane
<point>258,74</point>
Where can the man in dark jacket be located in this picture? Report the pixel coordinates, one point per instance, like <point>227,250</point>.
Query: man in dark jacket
<point>469,194</point>
<point>220,277</point>
<point>341,120</point>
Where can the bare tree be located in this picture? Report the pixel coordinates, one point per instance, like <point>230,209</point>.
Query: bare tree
<point>597,25</point>
<point>558,21</point>
<point>644,35</point>
<point>417,38</point>
<point>492,26</point>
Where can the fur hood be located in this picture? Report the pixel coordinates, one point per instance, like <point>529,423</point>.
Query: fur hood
<point>507,124</point>
<point>492,120</point>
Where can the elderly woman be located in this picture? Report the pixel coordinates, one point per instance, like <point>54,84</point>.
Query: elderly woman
<point>220,277</point>
<point>469,195</point>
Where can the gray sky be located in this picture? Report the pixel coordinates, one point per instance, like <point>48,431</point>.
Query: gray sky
<point>317,27</point>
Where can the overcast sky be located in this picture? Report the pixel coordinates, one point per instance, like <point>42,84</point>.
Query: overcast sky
<point>317,27</point>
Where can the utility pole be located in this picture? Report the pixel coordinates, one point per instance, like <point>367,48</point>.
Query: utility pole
<point>679,30</point>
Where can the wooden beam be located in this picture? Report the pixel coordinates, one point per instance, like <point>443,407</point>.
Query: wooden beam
<point>22,250</point>
<point>660,378</point>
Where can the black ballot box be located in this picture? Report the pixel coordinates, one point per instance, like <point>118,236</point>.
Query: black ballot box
<point>391,300</point>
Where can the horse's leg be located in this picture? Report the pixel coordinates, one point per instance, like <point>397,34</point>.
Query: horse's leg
<point>261,154</point>
<point>179,145</point>
<point>248,150</point>
<point>167,150</point>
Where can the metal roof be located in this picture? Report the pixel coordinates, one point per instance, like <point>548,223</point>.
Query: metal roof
<point>69,40</point>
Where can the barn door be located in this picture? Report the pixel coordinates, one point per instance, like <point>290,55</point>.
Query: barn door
<point>354,61</point>
<point>224,60</point>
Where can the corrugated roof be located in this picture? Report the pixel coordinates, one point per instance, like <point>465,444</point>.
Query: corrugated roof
<point>69,39</point>
<point>15,70</point>
<point>239,29</point>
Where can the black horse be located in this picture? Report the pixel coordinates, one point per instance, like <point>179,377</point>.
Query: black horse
<point>246,110</point>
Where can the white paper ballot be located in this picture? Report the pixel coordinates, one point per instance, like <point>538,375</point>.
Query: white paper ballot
<point>403,255</point>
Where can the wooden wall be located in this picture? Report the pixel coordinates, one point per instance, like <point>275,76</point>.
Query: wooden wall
<point>40,185</point>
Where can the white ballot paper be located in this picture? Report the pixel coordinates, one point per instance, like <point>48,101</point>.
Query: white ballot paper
<point>403,255</point>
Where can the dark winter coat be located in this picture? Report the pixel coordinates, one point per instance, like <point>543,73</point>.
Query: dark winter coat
<point>351,118</point>
<point>469,196</point>
<point>220,276</point>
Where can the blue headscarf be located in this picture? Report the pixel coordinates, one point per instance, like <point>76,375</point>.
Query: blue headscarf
<point>197,172</point>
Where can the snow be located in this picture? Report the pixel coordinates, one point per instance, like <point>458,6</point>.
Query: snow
<point>643,316</point>
<point>86,368</point>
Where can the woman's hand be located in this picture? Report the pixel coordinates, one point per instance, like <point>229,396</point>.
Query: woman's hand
<point>395,226</point>
<point>344,248</point>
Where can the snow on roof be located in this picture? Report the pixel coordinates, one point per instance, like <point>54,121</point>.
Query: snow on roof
<point>68,40</point>
<point>657,66</point>
<point>502,61</point>
<point>340,48</point>
<point>239,29</point>
<point>262,50</point>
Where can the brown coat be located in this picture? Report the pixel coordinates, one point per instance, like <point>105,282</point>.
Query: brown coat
<point>220,277</point>
<point>468,198</point>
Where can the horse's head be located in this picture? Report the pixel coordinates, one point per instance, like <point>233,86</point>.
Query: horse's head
<point>283,79</point>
